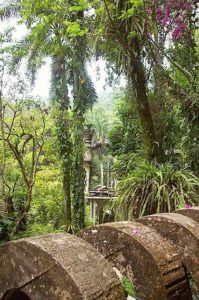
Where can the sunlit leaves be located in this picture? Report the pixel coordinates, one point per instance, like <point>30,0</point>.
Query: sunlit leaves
<point>132,9</point>
<point>74,30</point>
<point>133,34</point>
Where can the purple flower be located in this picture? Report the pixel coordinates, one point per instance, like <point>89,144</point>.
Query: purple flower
<point>159,14</point>
<point>178,31</point>
<point>167,16</point>
<point>136,231</point>
<point>187,206</point>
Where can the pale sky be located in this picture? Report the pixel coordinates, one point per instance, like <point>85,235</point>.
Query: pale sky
<point>42,83</point>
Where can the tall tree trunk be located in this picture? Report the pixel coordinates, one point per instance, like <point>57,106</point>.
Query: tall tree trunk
<point>80,174</point>
<point>134,67</point>
<point>22,221</point>
<point>9,204</point>
<point>160,96</point>
<point>79,170</point>
<point>138,79</point>
<point>3,157</point>
<point>60,100</point>
<point>84,96</point>
<point>82,100</point>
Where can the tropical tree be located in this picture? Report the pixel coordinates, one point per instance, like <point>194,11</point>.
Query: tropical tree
<point>56,30</point>
<point>123,27</point>
<point>133,37</point>
<point>84,98</point>
<point>102,121</point>
<point>24,135</point>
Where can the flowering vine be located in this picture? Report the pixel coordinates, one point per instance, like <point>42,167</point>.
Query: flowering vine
<point>174,14</point>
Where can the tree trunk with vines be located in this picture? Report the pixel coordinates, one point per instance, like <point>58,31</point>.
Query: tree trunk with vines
<point>60,101</point>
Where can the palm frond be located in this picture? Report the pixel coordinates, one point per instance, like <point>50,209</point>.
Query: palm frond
<point>153,189</point>
<point>84,91</point>
<point>10,9</point>
<point>19,50</point>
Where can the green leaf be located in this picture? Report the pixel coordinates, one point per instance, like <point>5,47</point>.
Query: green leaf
<point>132,34</point>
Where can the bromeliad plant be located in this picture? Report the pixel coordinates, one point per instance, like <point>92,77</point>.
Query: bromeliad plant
<point>154,189</point>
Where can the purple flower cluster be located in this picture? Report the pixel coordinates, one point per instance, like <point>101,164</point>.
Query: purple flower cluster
<point>178,31</point>
<point>174,13</point>
<point>187,206</point>
<point>163,15</point>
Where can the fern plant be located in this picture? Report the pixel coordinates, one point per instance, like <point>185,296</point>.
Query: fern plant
<point>152,189</point>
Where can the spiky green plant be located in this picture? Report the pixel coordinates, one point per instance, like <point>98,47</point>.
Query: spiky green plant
<point>154,188</point>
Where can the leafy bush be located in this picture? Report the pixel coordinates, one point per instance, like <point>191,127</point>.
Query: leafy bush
<point>124,136</point>
<point>47,203</point>
<point>153,189</point>
<point>37,229</point>
<point>125,164</point>
<point>6,225</point>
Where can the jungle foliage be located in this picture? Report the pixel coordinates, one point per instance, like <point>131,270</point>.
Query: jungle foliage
<point>147,141</point>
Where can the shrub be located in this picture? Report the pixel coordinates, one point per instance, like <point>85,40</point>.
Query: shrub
<point>6,225</point>
<point>154,188</point>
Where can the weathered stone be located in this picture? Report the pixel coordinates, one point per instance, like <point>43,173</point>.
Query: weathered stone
<point>192,212</point>
<point>183,232</point>
<point>142,255</point>
<point>56,266</point>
